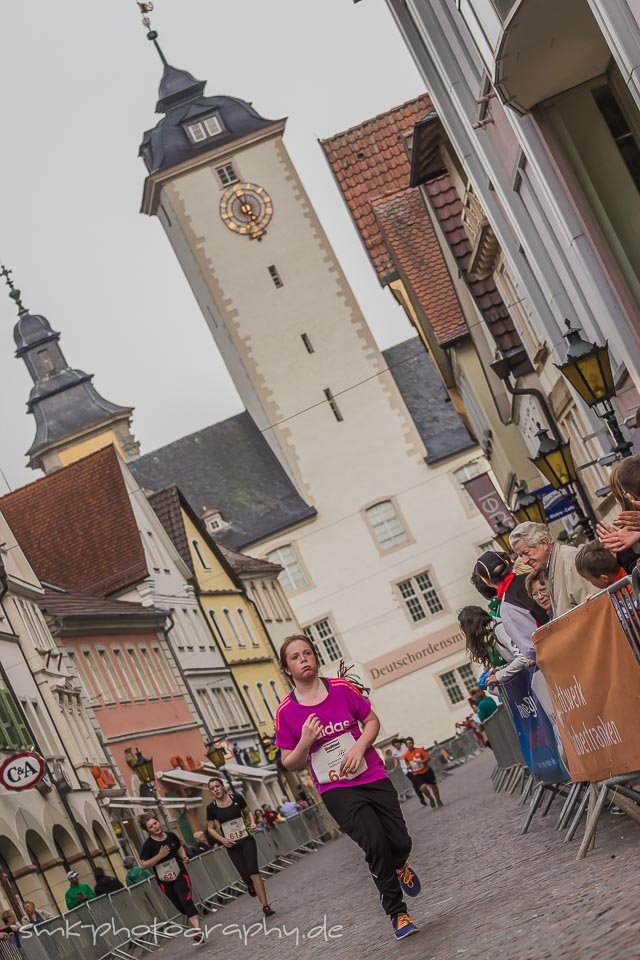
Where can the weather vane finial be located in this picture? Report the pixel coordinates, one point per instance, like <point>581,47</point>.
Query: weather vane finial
<point>145,10</point>
<point>14,293</point>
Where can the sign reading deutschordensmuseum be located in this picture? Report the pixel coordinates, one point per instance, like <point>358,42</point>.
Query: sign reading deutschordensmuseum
<point>398,663</point>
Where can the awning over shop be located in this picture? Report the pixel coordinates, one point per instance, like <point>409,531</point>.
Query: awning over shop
<point>245,772</point>
<point>237,771</point>
<point>185,778</point>
<point>125,803</point>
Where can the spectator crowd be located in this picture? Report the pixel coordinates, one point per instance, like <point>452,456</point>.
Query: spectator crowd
<point>542,579</point>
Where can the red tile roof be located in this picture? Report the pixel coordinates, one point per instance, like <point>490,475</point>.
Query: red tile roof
<point>77,526</point>
<point>447,206</point>
<point>370,161</point>
<point>412,242</point>
<point>166,504</point>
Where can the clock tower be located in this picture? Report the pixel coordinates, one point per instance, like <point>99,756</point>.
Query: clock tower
<point>269,285</point>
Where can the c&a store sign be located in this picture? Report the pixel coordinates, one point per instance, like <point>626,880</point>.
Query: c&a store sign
<point>22,771</point>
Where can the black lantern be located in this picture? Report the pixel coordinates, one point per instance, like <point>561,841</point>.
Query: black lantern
<point>216,755</point>
<point>501,535</point>
<point>587,367</point>
<point>554,460</point>
<point>528,507</point>
<point>143,767</point>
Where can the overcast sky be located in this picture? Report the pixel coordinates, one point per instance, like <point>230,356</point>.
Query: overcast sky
<point>79,85</point>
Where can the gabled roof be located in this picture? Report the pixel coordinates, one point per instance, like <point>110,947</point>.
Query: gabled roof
<point>169,505</point>
<point>413,245</point>
<point>77,526</point>
<point>369,162</point>
<point>228,466</point>
<point>439,424</point>
<point>243,564</point>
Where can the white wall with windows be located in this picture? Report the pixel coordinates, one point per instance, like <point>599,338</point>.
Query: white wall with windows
<point>293,577</point>
<point>351,451</point>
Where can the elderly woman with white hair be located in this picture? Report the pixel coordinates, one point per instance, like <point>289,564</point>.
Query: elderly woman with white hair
<point>534,543</point>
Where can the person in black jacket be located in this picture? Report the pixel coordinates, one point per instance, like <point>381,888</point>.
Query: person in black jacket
<point>105,883</point>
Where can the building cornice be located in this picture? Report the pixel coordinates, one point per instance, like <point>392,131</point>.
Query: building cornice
<point>151,732</point>
<point>155,181</point>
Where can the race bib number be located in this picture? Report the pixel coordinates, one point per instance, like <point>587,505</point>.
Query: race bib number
<point>168,870</point>
<point>234,829</point>
<point>326,760</point>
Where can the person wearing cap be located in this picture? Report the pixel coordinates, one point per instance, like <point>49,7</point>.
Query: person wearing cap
<point>519,613</point>
<point>78,893</point>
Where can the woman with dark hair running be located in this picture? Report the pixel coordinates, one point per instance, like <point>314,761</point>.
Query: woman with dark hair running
<point>164,853</point>
<point>328,725</point>
<point>226,824</point>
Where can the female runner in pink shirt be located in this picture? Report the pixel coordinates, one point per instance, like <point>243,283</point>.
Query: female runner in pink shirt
<point>329,726</point>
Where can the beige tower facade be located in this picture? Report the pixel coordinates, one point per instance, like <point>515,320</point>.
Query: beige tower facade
<point>375,570</point>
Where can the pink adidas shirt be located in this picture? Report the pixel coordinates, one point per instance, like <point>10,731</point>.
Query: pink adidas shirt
<point>341,713</point>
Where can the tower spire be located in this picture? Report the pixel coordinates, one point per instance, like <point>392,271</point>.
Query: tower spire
<point>14,293</point>
<point>145,10</point>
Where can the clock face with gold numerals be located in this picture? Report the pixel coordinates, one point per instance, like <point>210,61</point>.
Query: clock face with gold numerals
<point>246,209</point>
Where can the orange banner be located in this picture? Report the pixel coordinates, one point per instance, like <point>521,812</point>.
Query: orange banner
<point>594,682</point>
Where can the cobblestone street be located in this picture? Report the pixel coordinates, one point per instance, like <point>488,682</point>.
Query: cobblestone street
<point>487,893</point>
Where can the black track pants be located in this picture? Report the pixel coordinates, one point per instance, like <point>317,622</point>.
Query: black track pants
<point>371,815</point>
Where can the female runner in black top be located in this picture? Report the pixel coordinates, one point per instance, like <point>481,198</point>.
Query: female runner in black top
<point>225,823</point>
<point>164,854</point>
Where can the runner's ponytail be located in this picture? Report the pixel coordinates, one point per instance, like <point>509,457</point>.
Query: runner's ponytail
<point>344,673</point>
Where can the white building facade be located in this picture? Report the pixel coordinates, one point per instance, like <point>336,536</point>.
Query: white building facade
<point>539,105</point>
<point>60,826</point>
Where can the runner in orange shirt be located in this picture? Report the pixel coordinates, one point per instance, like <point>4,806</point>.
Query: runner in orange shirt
<point>417,759</point>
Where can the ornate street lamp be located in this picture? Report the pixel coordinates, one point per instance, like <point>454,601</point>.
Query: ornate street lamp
<point>528,507</point>
<point>587,367</point>
<point>501,536</point>
<point>555,462</point>
<point>143,768</point>
<point>216,756</point>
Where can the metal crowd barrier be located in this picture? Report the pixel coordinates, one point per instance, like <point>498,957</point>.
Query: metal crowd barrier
<point>142,917</point>
<point>9,950</point>
<point>579,798</point>
<point>501,733</point>
<point>401,783</point>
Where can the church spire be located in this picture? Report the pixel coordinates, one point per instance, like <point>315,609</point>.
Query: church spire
<point>72,418</point>
<point>145,10</point>
<point>14,293</point>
